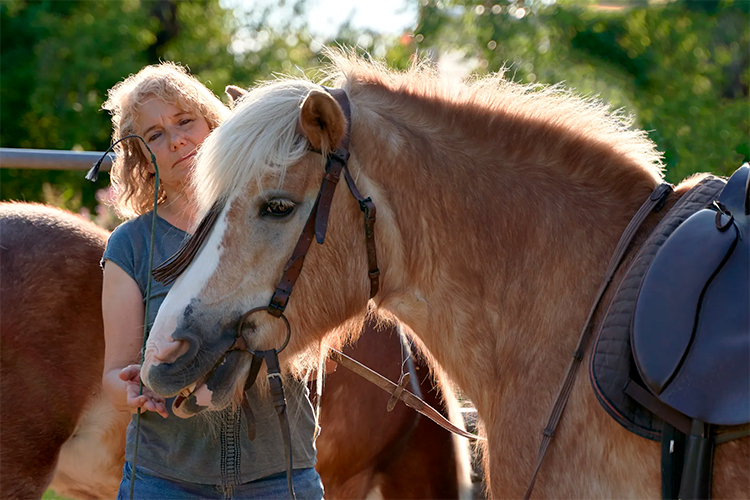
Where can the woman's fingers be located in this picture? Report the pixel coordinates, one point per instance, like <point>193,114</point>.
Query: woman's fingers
<point>161,409</point>
<point>136,401</point>
<point>130,373</point>
<point>141,397</point>
<point>156,406</point>
<point>148,400</point>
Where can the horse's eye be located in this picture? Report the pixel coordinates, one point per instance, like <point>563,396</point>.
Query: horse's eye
<point>277,207</point>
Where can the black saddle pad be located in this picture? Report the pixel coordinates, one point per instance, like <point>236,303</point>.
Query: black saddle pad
<point>611,364</point>
<point>691,325</point>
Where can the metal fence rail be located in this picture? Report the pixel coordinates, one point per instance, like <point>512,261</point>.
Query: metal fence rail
<point>52,159</point>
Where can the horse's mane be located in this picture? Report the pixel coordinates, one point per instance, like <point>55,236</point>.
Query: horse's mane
<point>261,136</point>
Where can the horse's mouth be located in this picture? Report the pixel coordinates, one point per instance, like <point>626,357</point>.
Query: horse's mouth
<point>182,410</point>
<point>216,390</point>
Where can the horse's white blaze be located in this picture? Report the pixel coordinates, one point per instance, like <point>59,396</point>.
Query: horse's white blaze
<point>181,294</point>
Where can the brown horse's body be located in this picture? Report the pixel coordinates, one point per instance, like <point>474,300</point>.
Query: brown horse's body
<point>51,348</point>
<point>499,207</point>
<point>59,431</point>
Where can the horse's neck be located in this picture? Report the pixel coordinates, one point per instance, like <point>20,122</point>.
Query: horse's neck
<point>498,253</point>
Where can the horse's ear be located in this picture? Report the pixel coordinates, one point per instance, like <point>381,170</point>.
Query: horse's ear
<point>322,121</point>
<point>234,93</point>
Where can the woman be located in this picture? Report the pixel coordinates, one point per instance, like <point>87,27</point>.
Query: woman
<point>179,458</point>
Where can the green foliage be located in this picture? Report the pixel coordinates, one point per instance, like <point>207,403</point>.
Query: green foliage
<point>55,81</point>
<point>60,57</point>
<point>689,76</point>
<point>51,495</point>
<point>680,68</point>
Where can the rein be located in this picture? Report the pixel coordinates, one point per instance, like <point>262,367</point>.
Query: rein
<point>655,200</point>
<point>93,175</point>
<point>398,391</point>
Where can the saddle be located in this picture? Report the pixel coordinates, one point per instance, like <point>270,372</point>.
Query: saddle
<point>671,359</point>
<point>691,326</point>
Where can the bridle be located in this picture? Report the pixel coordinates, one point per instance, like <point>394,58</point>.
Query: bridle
<point>315,227</point>
<point>317,221</point>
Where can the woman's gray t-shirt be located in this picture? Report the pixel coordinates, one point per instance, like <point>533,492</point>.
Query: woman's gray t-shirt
<point>211,448</point>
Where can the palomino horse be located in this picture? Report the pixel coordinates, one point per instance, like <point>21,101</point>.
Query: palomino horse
<point>498,208</point>
<point>60,431</point>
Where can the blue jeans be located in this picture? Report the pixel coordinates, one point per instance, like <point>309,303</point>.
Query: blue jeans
<point>148,486</point>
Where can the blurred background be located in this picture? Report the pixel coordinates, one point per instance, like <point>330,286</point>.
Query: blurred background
<point>680,67</point>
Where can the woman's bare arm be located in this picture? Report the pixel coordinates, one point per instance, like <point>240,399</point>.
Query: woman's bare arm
<point>122,310</point>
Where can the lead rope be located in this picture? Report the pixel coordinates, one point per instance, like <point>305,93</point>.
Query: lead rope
<point>93,175</point>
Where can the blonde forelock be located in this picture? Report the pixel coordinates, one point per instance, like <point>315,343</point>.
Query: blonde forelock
<point>259,138</point>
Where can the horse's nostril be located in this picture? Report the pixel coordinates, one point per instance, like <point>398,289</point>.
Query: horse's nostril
<point>169,351</point>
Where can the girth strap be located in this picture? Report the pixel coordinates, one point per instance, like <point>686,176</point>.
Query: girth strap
<point>699,456</point>
<point>672,459</point>
<point>656,199</point>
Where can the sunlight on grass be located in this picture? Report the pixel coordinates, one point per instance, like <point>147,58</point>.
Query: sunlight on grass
<point>51,495</point>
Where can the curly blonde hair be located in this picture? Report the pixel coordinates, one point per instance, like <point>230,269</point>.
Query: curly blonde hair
<point>132,183</point>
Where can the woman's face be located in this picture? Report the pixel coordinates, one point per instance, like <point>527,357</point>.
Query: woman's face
<point>174,136</point>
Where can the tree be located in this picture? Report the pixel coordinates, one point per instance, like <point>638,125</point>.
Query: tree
<point>60,57</point>
<point>58,60</point>
<point>681,68</point>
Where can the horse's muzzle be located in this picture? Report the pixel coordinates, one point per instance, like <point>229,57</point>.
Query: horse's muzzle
<point>168,379</point>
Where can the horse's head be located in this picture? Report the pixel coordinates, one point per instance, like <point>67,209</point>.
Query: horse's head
<point>261,172</point>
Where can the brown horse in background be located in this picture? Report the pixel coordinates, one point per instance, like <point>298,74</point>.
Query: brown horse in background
<point>60,431</point>
<point>51,355</point>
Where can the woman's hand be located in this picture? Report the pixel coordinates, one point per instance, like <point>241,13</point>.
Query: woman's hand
<point>148,400</point>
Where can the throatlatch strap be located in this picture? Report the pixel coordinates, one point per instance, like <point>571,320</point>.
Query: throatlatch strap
<point>370,212</point>
<point>656,199</point>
